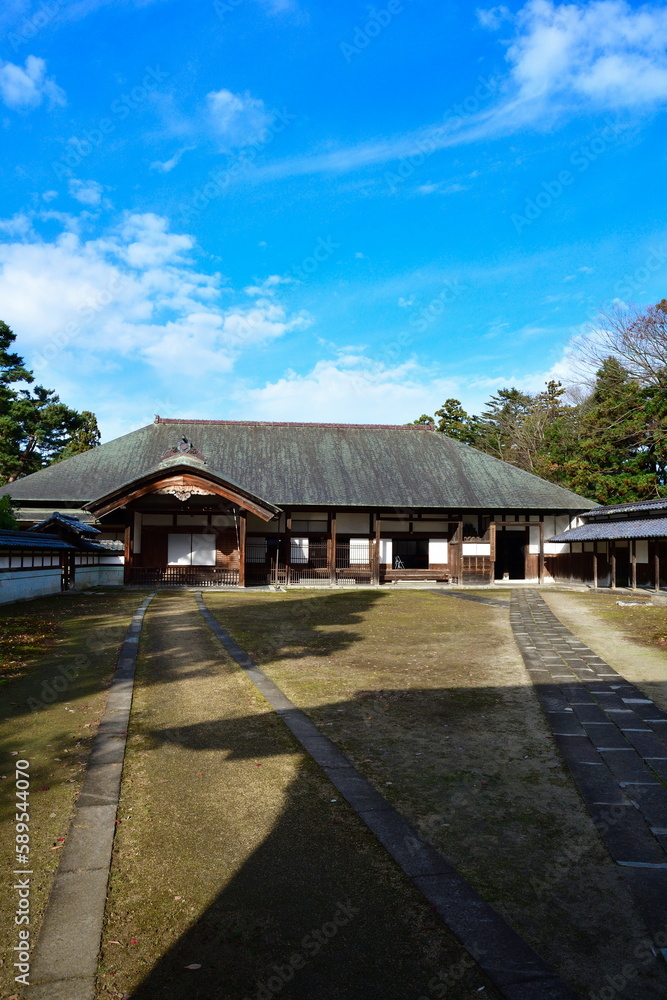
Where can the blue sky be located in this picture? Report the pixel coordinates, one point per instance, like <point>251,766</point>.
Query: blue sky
<point>299,210</point>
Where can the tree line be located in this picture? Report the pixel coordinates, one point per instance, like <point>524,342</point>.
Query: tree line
<point>608,441</point>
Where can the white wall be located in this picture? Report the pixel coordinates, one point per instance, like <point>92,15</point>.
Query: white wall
<point>21,585</point>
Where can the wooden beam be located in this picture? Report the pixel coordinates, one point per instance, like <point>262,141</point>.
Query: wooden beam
<point>242,539</point>
<point>375,574</point>
<point>633,563</point>
<point>656,565</point>
<point>595,565</point>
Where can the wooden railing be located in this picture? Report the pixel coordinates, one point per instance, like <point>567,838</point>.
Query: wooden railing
<point>183,576</point>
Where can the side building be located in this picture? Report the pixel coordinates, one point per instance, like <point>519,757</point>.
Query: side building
<point>206,502</point>
<point>623,545</point>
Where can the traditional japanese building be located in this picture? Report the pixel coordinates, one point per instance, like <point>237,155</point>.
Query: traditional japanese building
<point>622,545</point>
<point>206,502</point>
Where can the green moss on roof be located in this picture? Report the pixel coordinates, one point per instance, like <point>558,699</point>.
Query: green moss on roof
<point>311,464</point>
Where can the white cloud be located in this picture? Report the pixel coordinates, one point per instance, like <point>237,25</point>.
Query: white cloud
<point>18,225</point>
<point>563,59</point>
<point>132,297</point>
<point>493,17</point>
<point>166,166</point>
<point>24,88</point>
<point>49,195</point>
<point>606,53</point>
<point>237,120</point>
<point>87,192</point>
<point>352,389</point>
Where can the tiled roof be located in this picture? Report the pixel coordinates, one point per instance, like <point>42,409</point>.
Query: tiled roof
<point>310,465</point>
<point>27,540</point>
<point>653,527</point>
<point>639,506</point>
<point>67,521</point>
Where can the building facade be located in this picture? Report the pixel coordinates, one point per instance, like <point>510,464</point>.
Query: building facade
<point>623,545</point>
<point>229,503</point>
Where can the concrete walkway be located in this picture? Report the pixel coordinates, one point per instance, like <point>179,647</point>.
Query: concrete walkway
<point>614,742</point>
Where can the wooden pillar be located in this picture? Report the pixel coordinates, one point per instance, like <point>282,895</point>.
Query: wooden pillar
<point>633,563</point>
<point>492,545</point>
<point>541,555</point>
<point>332,549</point>
<point>595,565</point>
<point>243,526</point>
<point>656,564</point>
<point>612,564</point>
<point>288,547</point>
<point>128,547</point>
<point>375,572</point>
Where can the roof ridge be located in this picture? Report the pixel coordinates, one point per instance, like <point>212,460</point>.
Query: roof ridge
<point>292,423</point>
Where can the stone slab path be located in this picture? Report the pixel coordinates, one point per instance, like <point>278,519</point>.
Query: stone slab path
<point>614,742</point>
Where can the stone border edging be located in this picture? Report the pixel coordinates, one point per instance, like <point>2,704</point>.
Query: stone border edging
<point>64,962</point>
<point>510,963</point>
<point>493,602</point>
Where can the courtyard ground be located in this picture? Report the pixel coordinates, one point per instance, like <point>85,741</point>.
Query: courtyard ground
<point>232,848</point>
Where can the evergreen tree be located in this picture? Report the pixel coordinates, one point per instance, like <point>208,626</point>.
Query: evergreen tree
<point>35,427</point>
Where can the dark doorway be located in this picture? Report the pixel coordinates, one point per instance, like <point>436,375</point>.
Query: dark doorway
<point>410,553</point>
<point>622,553</point>
<point>511,554</point>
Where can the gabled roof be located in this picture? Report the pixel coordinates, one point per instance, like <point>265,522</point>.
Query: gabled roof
<point>183,466</point>
<point>68,522</point>
<point>293,465</point>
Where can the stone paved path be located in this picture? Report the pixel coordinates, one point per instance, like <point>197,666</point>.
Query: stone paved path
<point>614,742</point>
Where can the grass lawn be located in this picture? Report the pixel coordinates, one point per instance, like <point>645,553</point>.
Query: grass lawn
<point>429,698</point>
<point>50,718</point>
<point>632,639</point>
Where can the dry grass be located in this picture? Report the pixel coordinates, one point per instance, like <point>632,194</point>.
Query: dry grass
<point>53,726</point>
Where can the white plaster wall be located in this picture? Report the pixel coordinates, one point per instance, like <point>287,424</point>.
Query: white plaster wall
<point>99,576</point>
<point>22,585</point>
<point>19,585</point>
